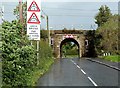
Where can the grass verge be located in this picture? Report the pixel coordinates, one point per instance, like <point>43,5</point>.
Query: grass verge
<point>112,58</point>
<point>39,71</point>
<point>0,74</point>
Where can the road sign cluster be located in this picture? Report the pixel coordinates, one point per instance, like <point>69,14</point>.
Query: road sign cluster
<point>33,19</point>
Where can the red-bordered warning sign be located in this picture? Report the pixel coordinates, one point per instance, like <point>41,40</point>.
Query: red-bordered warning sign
<point>68,36</point>
<point>33,19</point>
<point>34,7</point>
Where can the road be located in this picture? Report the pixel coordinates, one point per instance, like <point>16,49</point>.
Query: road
<point>79,72</point>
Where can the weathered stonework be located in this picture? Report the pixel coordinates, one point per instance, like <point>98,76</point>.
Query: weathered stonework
<point>59,35</point>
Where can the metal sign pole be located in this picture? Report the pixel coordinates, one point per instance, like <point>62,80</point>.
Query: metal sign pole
<point>31,43</point>
<point>37,52</point>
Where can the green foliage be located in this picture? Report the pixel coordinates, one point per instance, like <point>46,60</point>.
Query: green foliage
<point>16,11</point>
<point>113,58</point>
<point>44,34</point>
<point>72,52</point>
<point>103,15</point>
<point>19,61</point>
<point>18,57</point>
<point>45,61</point>
<point>69,48</point>
<point>0,74</point>
<point>107,37</point>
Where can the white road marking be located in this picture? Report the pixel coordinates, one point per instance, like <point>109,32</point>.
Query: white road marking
<point>83,71</point>
<point>92,81</point>
<point>73,62</point>
<point>78,66</point>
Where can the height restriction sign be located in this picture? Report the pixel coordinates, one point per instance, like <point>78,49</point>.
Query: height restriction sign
<point>33,19</point>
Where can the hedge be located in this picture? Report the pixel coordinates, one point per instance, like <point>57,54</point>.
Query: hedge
<point>19,62</point>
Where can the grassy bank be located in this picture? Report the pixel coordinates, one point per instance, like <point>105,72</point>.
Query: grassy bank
<point>39,72</point>
<point>45,62</point>
<point>112,58</point>
<point>0,74</point>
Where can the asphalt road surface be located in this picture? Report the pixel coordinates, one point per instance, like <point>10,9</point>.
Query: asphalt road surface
<point>79,72</point>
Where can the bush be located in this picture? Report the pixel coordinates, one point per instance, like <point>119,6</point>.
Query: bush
<point>18,57</point>
<point>19,61</point>
<point>72,52</point>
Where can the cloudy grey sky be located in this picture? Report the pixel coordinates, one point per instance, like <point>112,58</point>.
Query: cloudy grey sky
<point>79,15</point>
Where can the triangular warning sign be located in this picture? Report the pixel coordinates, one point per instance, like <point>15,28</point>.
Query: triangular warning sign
<point>34,7</point>
<point>34,19</point>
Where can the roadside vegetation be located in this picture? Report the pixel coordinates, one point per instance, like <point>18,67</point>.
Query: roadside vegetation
<point>0,58</point>
<point>69,49</point>
<point>112,58</point>
<point>19,60</point>
<point>20,66</point>
<point>106,36</point>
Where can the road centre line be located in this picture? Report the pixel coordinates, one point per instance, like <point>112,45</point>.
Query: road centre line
<point>78,66</point>
<point>73,62</point>
<point>92,81</point>
<point>84,73</point>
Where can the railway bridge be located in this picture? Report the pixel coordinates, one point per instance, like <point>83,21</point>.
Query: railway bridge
<point>60,37</point>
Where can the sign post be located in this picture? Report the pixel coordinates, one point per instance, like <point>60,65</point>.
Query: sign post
<point>33,22</point>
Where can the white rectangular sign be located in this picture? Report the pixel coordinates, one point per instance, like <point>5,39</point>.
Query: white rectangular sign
<point>33,19</point>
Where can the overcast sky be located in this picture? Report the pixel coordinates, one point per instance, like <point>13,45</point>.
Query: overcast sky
<point>79,15</point>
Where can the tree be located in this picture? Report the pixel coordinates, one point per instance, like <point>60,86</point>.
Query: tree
<point>103,15</point>
<point>107,36</point>
<point>16,11</point>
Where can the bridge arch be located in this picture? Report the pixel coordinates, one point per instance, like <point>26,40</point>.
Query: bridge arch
<point>69,40</point>
<point>60,36</point>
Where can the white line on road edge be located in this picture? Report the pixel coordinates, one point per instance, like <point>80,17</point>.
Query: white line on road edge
<point>92,81</point>
<point>116,68</point>
<point>83,71</point>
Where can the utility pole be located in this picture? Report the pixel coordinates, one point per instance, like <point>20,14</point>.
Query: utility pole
<point>47,24</point>
<point>21,15</point>
<point>47,19</point>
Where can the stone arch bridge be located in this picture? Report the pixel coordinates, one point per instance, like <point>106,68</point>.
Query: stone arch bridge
<point>79,37</point>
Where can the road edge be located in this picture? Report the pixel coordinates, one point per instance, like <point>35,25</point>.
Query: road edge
<point>103,64</point>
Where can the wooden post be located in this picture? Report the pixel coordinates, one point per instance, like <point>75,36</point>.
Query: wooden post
<point>21,15</point>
